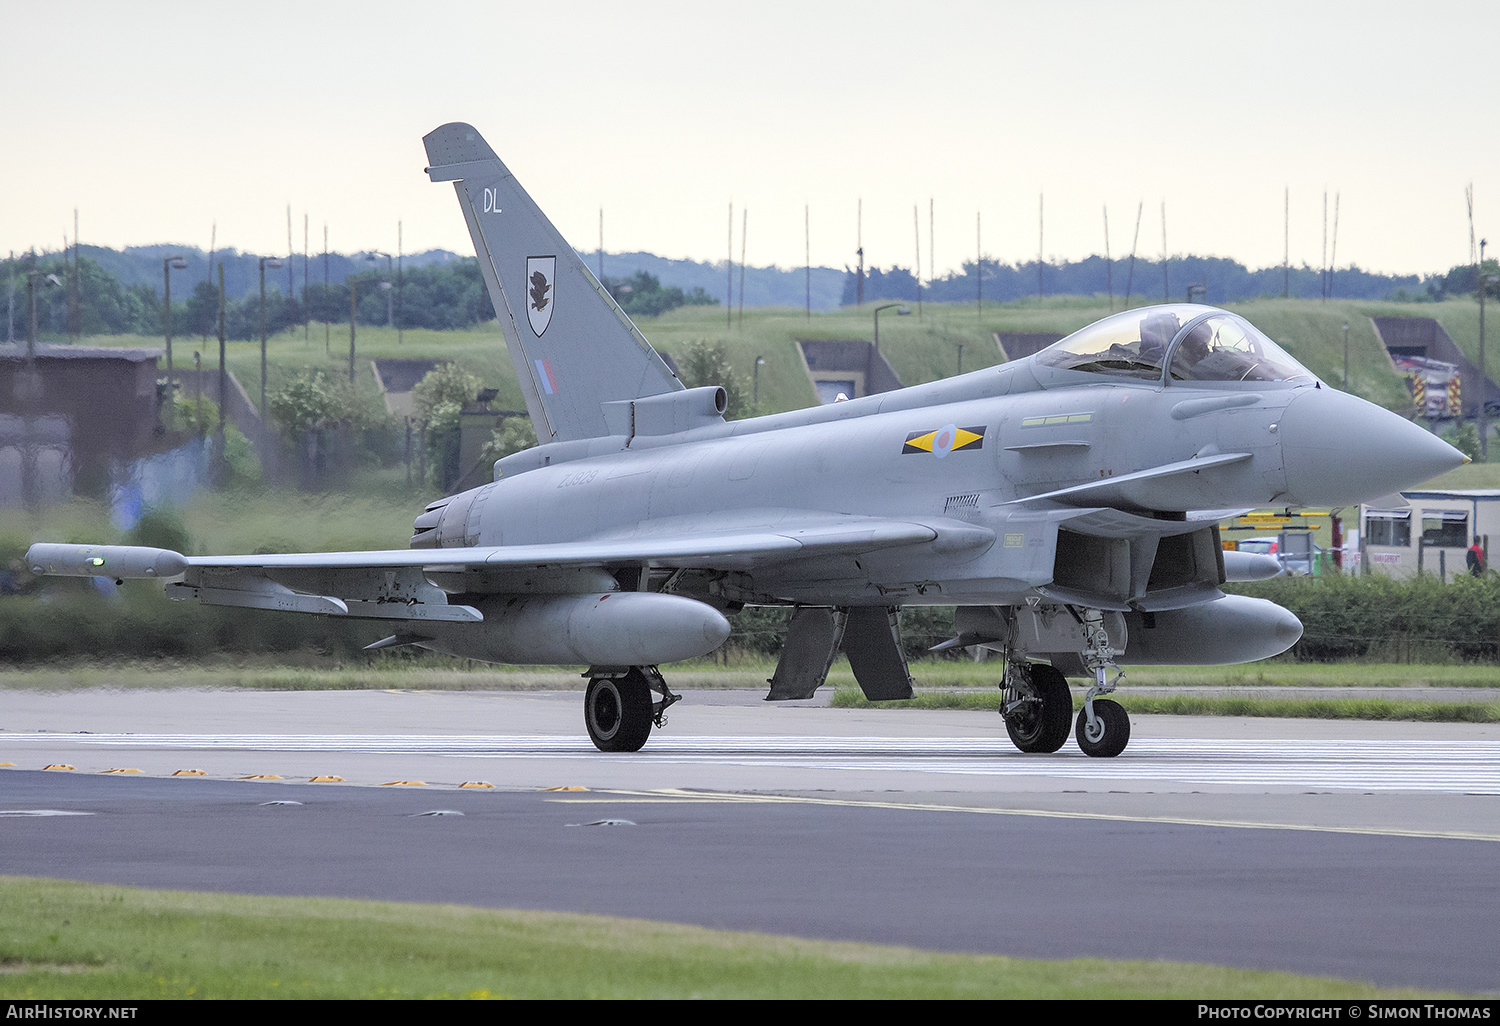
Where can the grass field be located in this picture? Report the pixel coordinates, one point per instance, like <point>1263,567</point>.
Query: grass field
<point>941,684</point>
<point>1257,705</point>
<point>920,349</point>
<point>377,514</point>
<point>433,672</point>
<point>71,941</point>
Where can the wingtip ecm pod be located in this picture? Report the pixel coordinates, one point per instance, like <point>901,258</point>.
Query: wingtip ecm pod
<point>122,562</point>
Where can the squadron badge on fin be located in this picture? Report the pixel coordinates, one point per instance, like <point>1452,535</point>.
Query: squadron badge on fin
<point>541,273</point>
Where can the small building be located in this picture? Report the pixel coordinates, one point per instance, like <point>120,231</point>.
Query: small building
<point>1431,535</point>
<point>852,368</point>
<point>396,379</point>
<point>71,417</point>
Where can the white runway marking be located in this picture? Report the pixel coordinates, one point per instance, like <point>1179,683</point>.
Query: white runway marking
<point>1445,766</point>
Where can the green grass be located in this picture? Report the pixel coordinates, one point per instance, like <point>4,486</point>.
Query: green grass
<point>974,683</point>
<point>265,675</point>
<point>920,349</point>
<point>1472,475</point>
<point>1285,673</point>
<point>926,349</point>
<point>72,941</point>
<point>377,515</point>
<point>480,349</point>
<point>960,673</point>
<point>1215,705</point>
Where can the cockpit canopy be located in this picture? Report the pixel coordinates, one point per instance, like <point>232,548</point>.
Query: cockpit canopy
<point>1194,343</point>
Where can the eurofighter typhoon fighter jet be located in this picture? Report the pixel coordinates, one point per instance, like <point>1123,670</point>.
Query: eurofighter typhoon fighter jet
<point>1065,503</point>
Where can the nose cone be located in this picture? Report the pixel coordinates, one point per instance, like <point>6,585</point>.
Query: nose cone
<point>1339,450</point>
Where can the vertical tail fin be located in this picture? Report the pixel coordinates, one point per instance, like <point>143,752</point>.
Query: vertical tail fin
<point>572,346</point>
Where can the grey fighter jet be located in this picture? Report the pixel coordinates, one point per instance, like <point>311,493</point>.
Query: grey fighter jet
<point>1066,504</point>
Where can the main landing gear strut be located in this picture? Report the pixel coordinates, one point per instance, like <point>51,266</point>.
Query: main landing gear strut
<point>1038,707</point>
<point>619,708</point>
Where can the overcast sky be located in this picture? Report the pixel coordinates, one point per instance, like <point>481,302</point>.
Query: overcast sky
<point>157,119</point>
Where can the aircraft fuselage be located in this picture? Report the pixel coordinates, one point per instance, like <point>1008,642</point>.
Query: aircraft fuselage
<point>962,450</point>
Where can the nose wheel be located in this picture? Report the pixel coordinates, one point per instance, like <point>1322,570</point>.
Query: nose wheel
<point>1109,732</point>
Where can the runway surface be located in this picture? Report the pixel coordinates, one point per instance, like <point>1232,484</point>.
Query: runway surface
<point>1360,850</point>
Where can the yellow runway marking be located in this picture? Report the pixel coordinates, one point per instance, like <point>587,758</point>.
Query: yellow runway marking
<point>679,796</point>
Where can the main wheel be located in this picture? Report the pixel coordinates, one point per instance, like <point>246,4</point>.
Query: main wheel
<point>617,712</point>
<point>1111,732</point>
<point>1043,726</point>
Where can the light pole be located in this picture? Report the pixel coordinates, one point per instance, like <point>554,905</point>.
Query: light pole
<point>223,370</point>
<point>902,311</point>
<point>169,264</point>
<point>28,391</point>
<point>386,285</point>
<point>50,281</point>
<point>755,399</point>
<point>28,386</point>
<point>273,263</point>
<point>1484,377</point>
<point>1483,421</point>
<point>353,312</point>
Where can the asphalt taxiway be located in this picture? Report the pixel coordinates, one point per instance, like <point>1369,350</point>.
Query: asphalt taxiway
<point>1352,849</point>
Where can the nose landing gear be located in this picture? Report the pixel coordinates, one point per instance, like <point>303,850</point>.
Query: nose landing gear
<point>1103,728</point>
<point>1109,732</point>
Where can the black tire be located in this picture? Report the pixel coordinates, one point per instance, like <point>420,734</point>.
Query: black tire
<point>1114,729</point>
<point>617,712</point>
<point>1044,727</point>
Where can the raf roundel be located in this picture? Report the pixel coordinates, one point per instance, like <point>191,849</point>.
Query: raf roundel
<point>946,439</point>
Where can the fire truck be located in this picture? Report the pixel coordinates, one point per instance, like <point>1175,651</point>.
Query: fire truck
<point>1435,386</point>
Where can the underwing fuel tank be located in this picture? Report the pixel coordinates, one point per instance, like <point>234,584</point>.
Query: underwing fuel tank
<point>603,629</point>
<point>1231,629</point>
<point>118,561</point>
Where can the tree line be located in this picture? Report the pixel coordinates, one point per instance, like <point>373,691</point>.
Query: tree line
<point>451,294</point>
<point>443,296</point>
<point>1222,281</point>
<point>438,296</point>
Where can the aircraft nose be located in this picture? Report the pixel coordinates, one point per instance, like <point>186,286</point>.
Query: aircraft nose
<point>1339,450</point>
